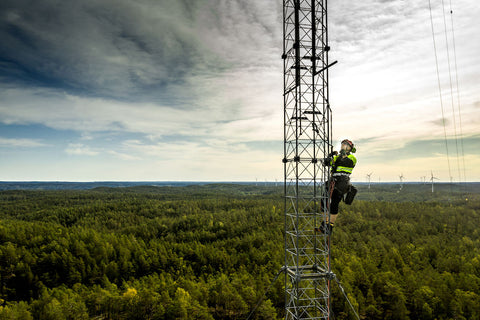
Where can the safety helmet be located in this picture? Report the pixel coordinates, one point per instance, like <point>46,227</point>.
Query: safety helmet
<point>350,143</point>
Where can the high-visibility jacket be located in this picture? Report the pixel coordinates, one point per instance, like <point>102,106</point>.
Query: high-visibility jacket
<point>345,165</point>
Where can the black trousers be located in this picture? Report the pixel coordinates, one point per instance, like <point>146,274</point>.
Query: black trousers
<point>342,184</point>
<point>337,196</point>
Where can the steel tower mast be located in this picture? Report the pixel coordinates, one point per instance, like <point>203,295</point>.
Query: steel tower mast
<point>307,139</point>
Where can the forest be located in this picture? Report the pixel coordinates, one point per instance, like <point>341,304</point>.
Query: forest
<point>210,252</point>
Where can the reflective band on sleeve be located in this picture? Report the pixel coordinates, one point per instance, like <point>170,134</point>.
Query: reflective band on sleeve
<point>333,160</point>
<point>352,157</point>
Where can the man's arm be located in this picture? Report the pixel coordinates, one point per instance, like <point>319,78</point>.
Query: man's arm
<point>328,160</point>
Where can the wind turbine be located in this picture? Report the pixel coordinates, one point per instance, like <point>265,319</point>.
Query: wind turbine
<point>423,179</point>
<point>368,177</point>
<point>431,179</point>
<point>401,180</point>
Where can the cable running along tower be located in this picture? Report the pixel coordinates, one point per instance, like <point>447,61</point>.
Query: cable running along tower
<point>307,139</point>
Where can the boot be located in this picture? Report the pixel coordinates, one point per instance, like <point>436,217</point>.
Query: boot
<point>325,228</point>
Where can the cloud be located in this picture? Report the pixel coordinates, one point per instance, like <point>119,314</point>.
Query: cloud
<point>80,150</point>
<point>183,68</point>
<point>216,160</point>
<point>86,136</point>
<point>26,143</point>
<point>136,51</point>
<point>430,146</point>
<point>218,61</point>
<point>441,122</point>
<point>101,48</point>
<point>123,156</point>
<point>203,79</point>
<point>417,157</point>
<point>248,117</point>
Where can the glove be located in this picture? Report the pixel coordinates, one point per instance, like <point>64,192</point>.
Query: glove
<point>332,154</point>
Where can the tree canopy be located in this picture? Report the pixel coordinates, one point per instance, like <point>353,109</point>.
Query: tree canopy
<point>210,252</point>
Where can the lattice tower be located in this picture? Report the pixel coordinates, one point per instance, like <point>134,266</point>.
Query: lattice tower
<point>307,140</point>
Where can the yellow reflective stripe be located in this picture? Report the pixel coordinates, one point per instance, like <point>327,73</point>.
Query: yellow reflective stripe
<point>352,157</point>
<point>333,160</point>
<point>344,169</point>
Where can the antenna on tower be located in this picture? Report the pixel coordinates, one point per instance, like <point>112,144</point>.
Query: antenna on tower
<point>432,178</point>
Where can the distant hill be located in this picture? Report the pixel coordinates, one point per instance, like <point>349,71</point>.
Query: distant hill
<point>66,185</point>
<point>386,191</point>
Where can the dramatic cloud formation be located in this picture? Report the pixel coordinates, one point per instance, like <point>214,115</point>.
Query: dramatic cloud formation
<point>192,90</point>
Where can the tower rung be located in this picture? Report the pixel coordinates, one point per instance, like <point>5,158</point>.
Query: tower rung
<point>299,118</point>
<point>300,67</point>
<point>290,90</point>
<point>310,57</point>
<point>298,276</point>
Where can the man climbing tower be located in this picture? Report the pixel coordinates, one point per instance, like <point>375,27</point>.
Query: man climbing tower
<point>339,183</point>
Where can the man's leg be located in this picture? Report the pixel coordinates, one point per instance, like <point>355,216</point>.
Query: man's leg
<point>336,198</point>
<point>335,201</point>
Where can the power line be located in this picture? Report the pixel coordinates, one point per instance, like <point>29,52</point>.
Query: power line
<point>346,297</point>
<point>439,87</point>
<point>451,88</point>
<point>458,92</point>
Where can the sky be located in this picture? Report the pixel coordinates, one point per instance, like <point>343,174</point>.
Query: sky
<point>162,90</point>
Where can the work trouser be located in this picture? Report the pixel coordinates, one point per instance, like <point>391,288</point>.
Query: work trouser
<point>337,196</point>
<point>341,185</point>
